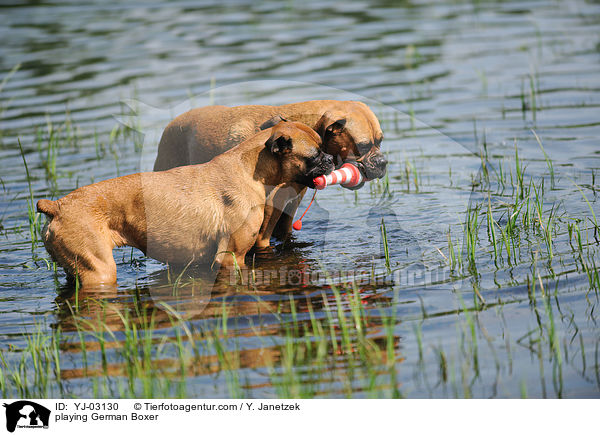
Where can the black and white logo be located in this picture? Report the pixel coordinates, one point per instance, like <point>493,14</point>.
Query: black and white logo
<point>25,414</point>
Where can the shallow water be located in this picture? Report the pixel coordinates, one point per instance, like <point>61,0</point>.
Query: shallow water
<point>448,82</point>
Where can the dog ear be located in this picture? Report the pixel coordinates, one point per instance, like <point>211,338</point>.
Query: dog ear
<point>271,122</point>
<point>330,122</point>
<point>279,143</point>
<point>337,125</point>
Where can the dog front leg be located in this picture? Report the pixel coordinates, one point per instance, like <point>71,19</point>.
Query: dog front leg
<point>225,257</point>
<point>278,200</point>
<point>232,248</point>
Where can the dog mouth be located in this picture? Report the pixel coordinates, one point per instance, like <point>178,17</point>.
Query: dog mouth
<point>372,165</point>
<point>323,166</point>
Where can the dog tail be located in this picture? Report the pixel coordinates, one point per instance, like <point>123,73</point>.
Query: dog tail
<point>49,208</point>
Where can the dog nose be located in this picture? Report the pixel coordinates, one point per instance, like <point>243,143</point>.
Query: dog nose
<point>380,161</point>
<point>374,165</point>
<point>328,158</point>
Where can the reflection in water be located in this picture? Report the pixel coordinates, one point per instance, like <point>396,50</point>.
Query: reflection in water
<point>178,334</point>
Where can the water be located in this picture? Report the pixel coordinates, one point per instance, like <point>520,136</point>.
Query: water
<point>444,79</point>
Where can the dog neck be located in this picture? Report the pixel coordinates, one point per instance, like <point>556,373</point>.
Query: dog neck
<point>310,112</point>
<point>298,113</point>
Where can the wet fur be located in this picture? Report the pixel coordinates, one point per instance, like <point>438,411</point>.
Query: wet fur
<point>203,133</point>
<point>201,213</point>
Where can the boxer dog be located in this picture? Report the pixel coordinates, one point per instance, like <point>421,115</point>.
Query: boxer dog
<point>210,213</point>
<point>349,130</point>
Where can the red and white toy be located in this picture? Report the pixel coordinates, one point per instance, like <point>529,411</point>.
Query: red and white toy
<point>348,176</point>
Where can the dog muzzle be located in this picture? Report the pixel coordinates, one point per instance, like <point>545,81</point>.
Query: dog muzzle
<point>373,164</point>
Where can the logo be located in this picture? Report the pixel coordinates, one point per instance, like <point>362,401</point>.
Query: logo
<point>26,414</point>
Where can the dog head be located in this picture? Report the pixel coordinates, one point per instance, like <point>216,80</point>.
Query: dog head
<point>298,149</point>
<point>352,133</point>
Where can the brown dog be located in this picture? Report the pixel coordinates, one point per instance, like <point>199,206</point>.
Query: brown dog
<point>201,213</point>
<point>349,130</point>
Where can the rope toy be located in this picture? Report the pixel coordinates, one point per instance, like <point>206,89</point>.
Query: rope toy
<point>348,176</point>
<point>298,224</point>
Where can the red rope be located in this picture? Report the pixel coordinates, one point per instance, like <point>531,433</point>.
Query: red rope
<point>298,224</point>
